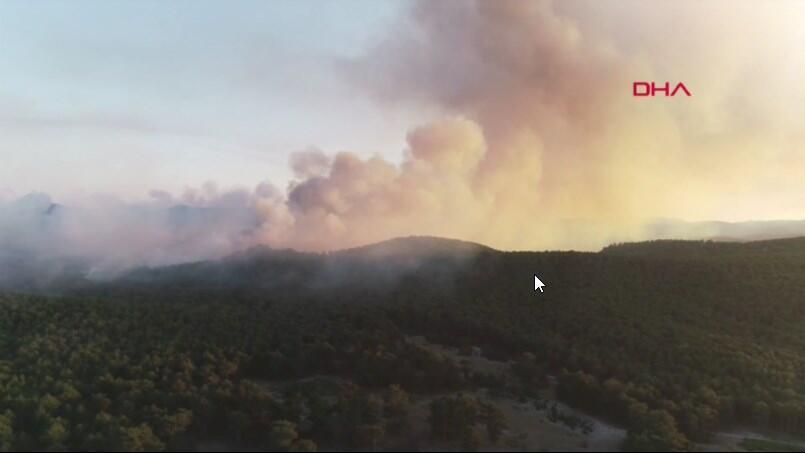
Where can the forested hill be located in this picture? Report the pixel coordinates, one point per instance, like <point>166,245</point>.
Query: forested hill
<point>711,333</point>
<point>717,250</point>
<point>673,340</point>
<point>378,267</point>
<point>454,269</point>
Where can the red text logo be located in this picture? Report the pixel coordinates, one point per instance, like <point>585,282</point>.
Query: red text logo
<point>641,89</point>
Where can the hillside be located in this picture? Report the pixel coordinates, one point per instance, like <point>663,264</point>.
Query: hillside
<point>672,340</point>
<point>377,268</point>
<point>776,248</point>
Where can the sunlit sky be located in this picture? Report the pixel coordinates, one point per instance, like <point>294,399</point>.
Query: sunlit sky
<point>123,97</point>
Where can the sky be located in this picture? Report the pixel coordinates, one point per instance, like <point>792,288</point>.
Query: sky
<point>121,96</point>
<point>321,125</point>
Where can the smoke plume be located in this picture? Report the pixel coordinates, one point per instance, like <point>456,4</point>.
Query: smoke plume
<point>540,145</point>
<point>544,146</point>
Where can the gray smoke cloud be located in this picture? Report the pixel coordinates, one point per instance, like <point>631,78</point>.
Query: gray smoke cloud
<point>540,145</point>
<point>111,235</point>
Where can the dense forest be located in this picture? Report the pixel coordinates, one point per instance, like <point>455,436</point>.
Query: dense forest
<point>280,350</point>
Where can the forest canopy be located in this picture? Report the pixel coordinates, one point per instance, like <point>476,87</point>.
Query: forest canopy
<point>673,340</point>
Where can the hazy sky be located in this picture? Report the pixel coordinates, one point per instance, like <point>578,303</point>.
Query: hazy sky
<point>510,123</point>
<point>125,96</point>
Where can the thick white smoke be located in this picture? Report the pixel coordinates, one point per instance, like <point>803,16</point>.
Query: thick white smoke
<point>545,147</point>
<point>541,144</point>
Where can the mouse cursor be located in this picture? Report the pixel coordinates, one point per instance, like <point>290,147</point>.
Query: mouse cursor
<point>538,285</point>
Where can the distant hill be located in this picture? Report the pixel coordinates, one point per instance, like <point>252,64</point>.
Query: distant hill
<point>40,250</point>
<point>417,246</point>
<point>438,264</point>
<point>376,267</point>
<point>714,250</point>
<point>726,231</point>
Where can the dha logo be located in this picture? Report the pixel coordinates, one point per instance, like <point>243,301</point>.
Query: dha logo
<point>641,89</point>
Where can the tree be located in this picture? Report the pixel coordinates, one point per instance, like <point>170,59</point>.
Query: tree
<point>304,445</point>
<point>761,413</point>
<point>398,404</point>
<point>655,431</point>
<point>140,438</point>
<point>177,423</point>
<point>56,435</point>
<point>495,421</point>
<point>239,423</point>
<point>282,436</point>
<point>471,439</point>
<point>6,431</point>
<point>370,436</point>
<point>451,417</point>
